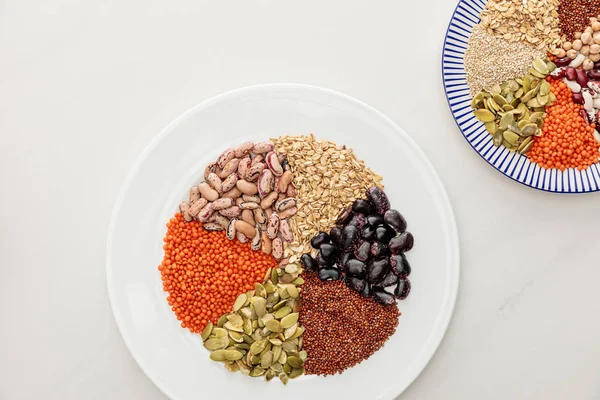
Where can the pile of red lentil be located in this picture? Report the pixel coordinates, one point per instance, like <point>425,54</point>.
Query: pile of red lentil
<point>342,328</point>
<point>204,272</point>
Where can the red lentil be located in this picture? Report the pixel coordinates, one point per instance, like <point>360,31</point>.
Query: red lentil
<point>341,327</point>
<point>204,272</point>
<point>566,141</point>
<point>574,15</point>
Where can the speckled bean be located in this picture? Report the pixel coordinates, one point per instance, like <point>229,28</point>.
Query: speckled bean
<point>215,182</point>
<point>263,147</point>
<point>255,172</point>
<point>222,203</point>
<point>255,244</point>
<point>197,206</point>
<point>245,228</point>
<point>265,183</point>
<point>194,194</point>
<point>248,205</point>
<point>259,215</point>
<point>284,181</point>
<point>230,231</point>
<point>248,216</point>
<point>185,210</point>
<point>206,212</point>
<point>231,212</point>
<point>229,168</point>
<point>277,248</point>
<point>273,226</point>
<point>273,163</point>
<point>244,167</point>
<point>252,198</point>
<point>241,237</point>
<point>268,200</point>
<point>233,193</point>
<point>207,192</point>
<point>229,183</point>
<point>286,203</point>
<point>266,243</point>
<point>257,159</point>
<point>291,191</point>
<point>286,231</point>
<point>244,149</point>
<point>288,213</point>
<point>246,187</point>
<point>212,167</point>
<point>225,157</point>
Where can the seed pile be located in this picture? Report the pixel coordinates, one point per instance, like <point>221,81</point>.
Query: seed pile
<point>574,16</point>
<point>534,22</point>
<point>203,272</point>
<point>327,178</point>
<point>341,327</point>
<point>489,60</point>
<point>567,140</point>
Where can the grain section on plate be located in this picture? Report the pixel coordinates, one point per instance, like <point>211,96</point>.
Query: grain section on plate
<point>327,178</point>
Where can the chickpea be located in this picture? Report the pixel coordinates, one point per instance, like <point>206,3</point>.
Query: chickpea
<point>588,30</point>
<point>595,57</point>
<point>595,49</point>
<point>577,44</point>
<point>596,26</point>
<point>596,38</point>
<point>586,38</point>
<point>587,64</point>
<point>572,54</point>
<point>567,45</point>
<point>585,50</point>
<point>560,53</point>
<point>577,35</point>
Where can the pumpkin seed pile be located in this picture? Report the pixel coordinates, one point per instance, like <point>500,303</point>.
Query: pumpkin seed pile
<point>262,335</point>
<point>513,112</point>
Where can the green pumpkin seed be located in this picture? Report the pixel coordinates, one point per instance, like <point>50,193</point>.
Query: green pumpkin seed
<point>537,74</point>
<point>235,320</point>
<point>218,355</point>
<point>295,362</point>
<point>270,374</point>
<point>258,346</point>
<point>231,327</point>
<point>496,89</point>
<point>524,148</point>
<point>257,371</point>
<point>239,302</point>
<point>242,346</point>
<point>500,100</point>
<point>540,66</point>
<point>296,372</point>
<point>282,358</point>
<point>289,320</point>
<point>284,378</point>
<point>216,344</point>
<point>506,120</point>
<point>236,336</point>
<point>266,360</point>
<point>233,355</point>
<point>232,367</point>
<point>303,355</point>
<point>282,312</point>
<point>528,96</point>
<point>222,320</point>
<point>260,306</point>
<point>287,368</point>
<point>544,88</point>
<point>219,333</point>
<point>207,331</point>
<point>260,290</point>
<point>529,129</point>
<point>299,281</point>
<point>511,137</point>
<point>273,325</point>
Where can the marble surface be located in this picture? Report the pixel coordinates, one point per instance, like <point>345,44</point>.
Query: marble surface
<point>84,86</point>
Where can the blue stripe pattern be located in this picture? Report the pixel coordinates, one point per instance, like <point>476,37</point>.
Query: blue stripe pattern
<point>513,165</point>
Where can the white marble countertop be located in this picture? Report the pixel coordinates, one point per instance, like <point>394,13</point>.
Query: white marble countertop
<point>86,85</point>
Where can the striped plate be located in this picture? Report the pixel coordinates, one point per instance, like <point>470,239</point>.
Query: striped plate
<point>513,165</point>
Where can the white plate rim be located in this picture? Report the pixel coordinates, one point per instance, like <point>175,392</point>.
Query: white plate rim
<point>454,273</point>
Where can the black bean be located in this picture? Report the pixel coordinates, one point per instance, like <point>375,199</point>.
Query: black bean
<point>357,220</point>
<point>344,216</point>
<point>329,252</point>
<point>384,233</point>
<point>319,239</point>
<point>308,262</point>
<point>322,262</point>
<point>379,199</point>
<point>366,292</point>
<point>388,280</point>
<point>344,258</point>
<point>379,250</point>
<point>356,284</point>
<point>376,270</point>
<point>400,265</point>
<point>363,250</point>
<point>375,220</point>
<point>362,206</point>
<point>335,234</point>
<point>368,233</point>
<point>350,237</point>
<point>402,289</point>
<point>383,297</point>
<point>401,243</point>
<point>396,220</point>
<point>329,274</point>
<point>285,164</point>
<point>356,268</point>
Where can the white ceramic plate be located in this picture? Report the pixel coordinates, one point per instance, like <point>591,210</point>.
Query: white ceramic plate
<point>173,358</point>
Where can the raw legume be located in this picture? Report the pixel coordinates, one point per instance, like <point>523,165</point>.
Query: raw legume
<point>341,327</point>
<point>204,272</point>
<point>574,16</point>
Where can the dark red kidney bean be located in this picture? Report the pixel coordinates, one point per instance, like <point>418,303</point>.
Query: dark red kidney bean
<point>571,73</point>
<point>379,249</point>
<point>329,252</point>
<point>335,234</point>
<point>562,62</point>
<point>362,206</point>
<point>578,98</point>
<point>363,251</point>
<point>319,239</point>
<point>400,265</point>
<point>402,289</point>
<point>308,262</point>
<point>344,258</point>
<point>582,78</point>
<point>388,280</point>
<point>356,268</point>
<point>355,284</point>
<point>357,220</point>
<point>401,243</point>
<point>384,234</point>
<point>368,232</point>
<point>383,297</point>
<point>375,220</point>
<point>379,199</point>
<point>597,65</point>
<point>350,236</point>
<point>594,74</point>
<point>366,292</point>
<point>344,216</point>
<point>584,115</point>
<point>329,274</point>
<point>394,219</point>
<point>376,270</point>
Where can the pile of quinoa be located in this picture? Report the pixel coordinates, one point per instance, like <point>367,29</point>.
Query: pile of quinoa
<point>491,60</point>
<point>341,327</point>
